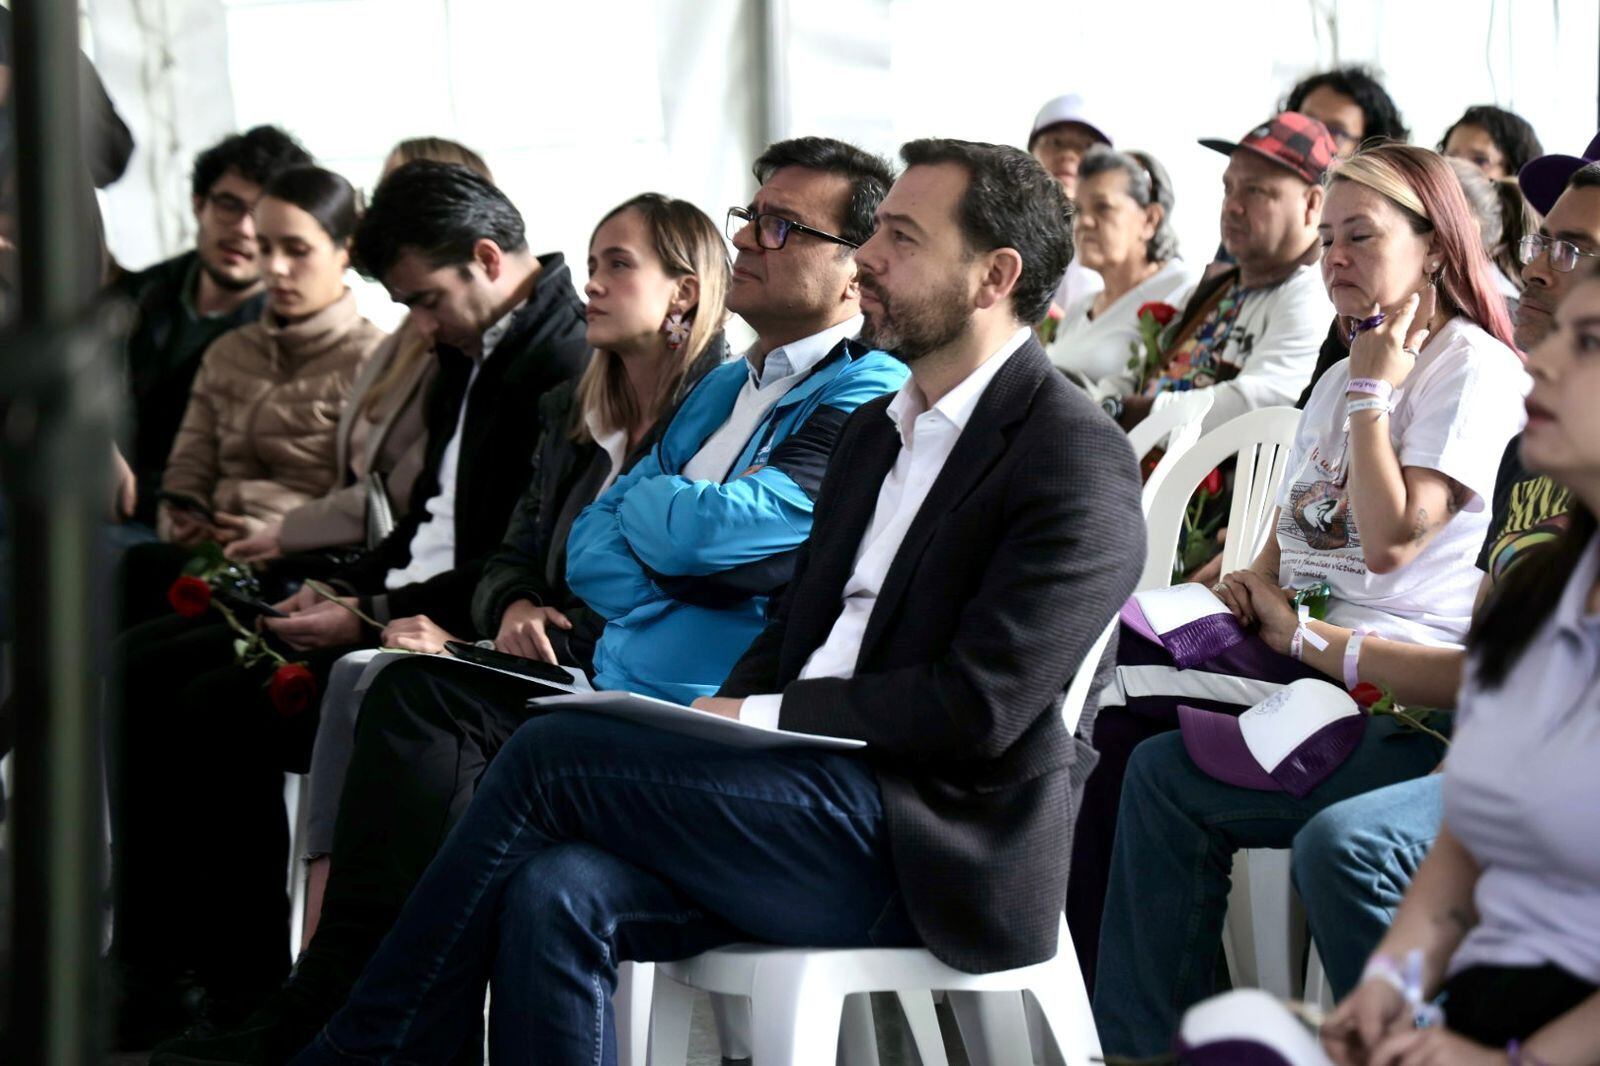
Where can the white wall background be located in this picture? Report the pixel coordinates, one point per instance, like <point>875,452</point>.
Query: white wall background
<point>577,106</point>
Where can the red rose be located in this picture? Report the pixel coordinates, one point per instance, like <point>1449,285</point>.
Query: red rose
<point>1366,694</point>
<point>293,689</point>
<point>189,596</point>
<point>1159,311</point>
<point>1212,485</point>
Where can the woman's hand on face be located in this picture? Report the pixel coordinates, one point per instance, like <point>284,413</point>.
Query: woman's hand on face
<point>1388,351</point>
<point>1269,605</point>
<point>1360,1024</point>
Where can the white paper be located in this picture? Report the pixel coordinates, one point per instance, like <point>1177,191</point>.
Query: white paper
<point>676,718</point>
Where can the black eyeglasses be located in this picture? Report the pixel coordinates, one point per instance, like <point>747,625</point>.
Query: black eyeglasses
<point>1563,254</point>
<point>229,208</point>
<point>773,230</point>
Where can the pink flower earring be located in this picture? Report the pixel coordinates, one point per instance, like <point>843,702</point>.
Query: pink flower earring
<point>676,329</point>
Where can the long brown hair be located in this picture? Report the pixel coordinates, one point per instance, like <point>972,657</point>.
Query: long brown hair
<point>412,347</point>
<point>688,244</point>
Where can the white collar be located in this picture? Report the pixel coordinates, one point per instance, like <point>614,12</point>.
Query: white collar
<point>958,404</point>
<point>798,357</point>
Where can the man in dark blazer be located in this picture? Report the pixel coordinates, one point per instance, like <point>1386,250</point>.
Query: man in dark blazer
<point>975,532</point>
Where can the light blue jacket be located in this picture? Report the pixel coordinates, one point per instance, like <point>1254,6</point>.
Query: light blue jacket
<point>682,570</point>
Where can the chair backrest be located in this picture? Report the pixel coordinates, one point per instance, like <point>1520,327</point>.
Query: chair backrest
<point>1261,440</point>
<point>1078,691</point>
<point>1179,422</point>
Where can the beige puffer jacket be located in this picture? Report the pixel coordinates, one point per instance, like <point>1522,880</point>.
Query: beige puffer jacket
<point>258,436</point>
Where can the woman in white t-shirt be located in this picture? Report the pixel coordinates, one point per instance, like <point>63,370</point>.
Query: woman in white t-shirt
<point>1384,496</point>
<point>1122,231</point>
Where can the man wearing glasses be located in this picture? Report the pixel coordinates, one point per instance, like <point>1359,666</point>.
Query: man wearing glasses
<point>185,303</point>
<point>682,555</point>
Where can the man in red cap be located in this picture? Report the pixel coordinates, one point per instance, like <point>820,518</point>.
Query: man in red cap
<point>1250,333</point>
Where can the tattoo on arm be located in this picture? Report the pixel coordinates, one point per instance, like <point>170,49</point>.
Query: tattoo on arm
<point>1422,526</point>
<point>1460,919</point>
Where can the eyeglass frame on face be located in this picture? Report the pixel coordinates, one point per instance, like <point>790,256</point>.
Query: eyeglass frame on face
<point>229,208</point>
<point>1531,246</point>
<point>747,217</point>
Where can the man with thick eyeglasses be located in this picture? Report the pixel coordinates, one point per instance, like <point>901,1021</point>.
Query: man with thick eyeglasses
<point>185,303</point>
<point>772,231</point>
<point>1566,191</point>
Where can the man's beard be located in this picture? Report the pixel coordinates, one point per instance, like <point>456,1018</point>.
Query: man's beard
<point>910,327</point>
<point>227,282</point>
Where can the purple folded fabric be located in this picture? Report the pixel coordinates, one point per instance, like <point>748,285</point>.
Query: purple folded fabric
<point>1203,639</point>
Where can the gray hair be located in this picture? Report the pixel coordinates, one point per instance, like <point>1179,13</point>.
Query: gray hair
<point>1147,184</point>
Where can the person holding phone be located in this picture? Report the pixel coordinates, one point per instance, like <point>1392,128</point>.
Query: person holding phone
<point>1385,500</point>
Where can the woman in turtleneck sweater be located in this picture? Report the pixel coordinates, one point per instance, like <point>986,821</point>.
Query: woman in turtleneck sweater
<point>258,438</point>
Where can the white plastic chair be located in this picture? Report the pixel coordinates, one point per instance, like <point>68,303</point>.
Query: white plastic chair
<point>1261,440</point>
<point>1176,427</point>
<point>1265,934</point>
<point>297,804</point>
<point>803,998</point>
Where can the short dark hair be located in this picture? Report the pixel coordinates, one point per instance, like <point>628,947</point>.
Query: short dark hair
<point>323,195</point>
<point>1509,131</point>
<point>1010,202</point>
<point>257,154</point>
<point>1585,177</point>
<point>1379,115</point>
<point>869,176</point>
<point>439,210</point>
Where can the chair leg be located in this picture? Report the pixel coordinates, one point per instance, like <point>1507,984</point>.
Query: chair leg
<point>858,1035</point>
<point>993,1027</point>
<point>1071,1037</point>
<point>795,1010</point>
<point>923,1020</point>
<point>1272,915</point>
<point>630,1007</point>
<point>731,1015</point>
<point>671,1005</point>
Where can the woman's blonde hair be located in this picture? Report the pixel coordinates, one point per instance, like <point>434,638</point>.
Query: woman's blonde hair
<point>688,244</point>
<point>412,346</point>
<point>1428,193</point>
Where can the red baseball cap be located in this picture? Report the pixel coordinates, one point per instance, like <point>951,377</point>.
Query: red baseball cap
<point>1291,140</point>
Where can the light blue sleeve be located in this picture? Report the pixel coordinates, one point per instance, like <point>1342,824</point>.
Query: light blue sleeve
<point>602,570</point>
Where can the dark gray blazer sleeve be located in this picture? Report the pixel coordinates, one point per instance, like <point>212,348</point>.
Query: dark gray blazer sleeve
<point>1070,555</point>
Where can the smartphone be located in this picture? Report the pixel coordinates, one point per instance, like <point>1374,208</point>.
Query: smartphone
<point>245,607</point>
<point>187,503</point>
<point>516,664</point>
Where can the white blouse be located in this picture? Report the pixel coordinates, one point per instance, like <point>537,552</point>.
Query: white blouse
<point>1099,347</point>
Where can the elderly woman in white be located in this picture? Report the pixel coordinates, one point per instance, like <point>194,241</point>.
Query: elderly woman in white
<point>1123,231</point>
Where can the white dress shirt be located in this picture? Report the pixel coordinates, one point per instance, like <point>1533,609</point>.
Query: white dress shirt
<point>780,371</point>
<point>433,545</point>
<point>927,437</point>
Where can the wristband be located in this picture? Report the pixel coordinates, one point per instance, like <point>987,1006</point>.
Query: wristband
<point>1371,387</point>
<point>1303,635</point>
<point>1515,1056</point>
<point>1407,980</point>
<point>1352,657</point>
<point>1365,403</point>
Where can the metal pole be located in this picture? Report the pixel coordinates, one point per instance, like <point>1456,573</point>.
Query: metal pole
<point>774,44</point>
<point>55,403</point>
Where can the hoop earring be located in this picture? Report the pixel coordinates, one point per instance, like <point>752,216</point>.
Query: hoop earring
<point>676,329</point>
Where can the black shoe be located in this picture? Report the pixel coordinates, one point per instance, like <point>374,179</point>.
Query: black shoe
<point>271,1036</point>
<point>150,1007</point>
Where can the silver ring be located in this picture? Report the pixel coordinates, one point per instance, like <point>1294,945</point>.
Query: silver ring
<point>1219,586</point>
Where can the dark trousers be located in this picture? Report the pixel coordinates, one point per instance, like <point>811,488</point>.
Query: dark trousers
<point>594,841</point>
<point>426,734</point>
<point>1495,1005</point>
<point>199,828</point>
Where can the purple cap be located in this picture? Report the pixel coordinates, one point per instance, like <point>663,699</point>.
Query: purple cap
<point>1245,1027</point>
<point>1289,742</point>
<point>1545,178</point>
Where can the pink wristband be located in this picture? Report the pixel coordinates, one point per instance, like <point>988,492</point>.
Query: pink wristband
<point>1371,387</point>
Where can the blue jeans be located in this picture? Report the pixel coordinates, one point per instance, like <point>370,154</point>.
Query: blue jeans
<point>1354,861</point>
<point>592,841</point>
<point>1177,831</point>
